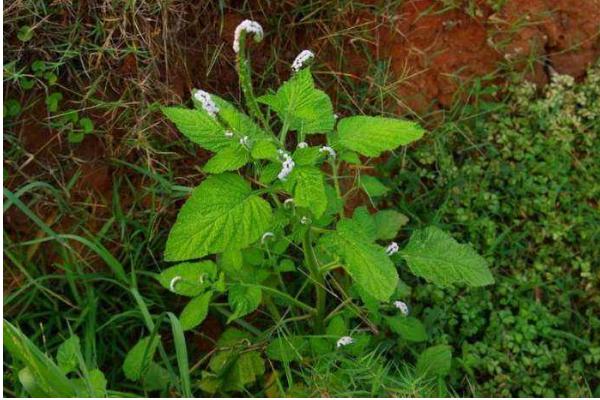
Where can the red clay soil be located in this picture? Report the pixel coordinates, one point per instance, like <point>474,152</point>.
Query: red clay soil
<point>437,51</point>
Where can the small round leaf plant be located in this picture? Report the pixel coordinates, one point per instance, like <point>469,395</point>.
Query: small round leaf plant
<point>272,204</point>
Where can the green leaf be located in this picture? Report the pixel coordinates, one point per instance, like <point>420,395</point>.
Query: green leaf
<point>388,223</point>
<point>221,214</point>
<point>93,385</point>
<point>155,378</point>
<point>87,125</point>
<point>297,102</point>
<point>371,136</point>
<point>195,311</point>
<point>307,155</point>
<point>232,158</point>
<point>264,150</point>
<point>25,33</point>
<point>409,328</point>
<point>243,299</point>
<point>286,348</point>
<point>434,255</point>
<point>139,357</point>
<point>46,375</point>
<point>309,189</point>
<point>337,327</point>
<point>30,385</point>
<point>435,361</point>
<point>365,261</point>
<point>53,100</point>
<point>194,277</point>
<point>373,186</point>
<point>199,127</point>
<point>239,122</point>
<point>68,354</point>
<point>364,219</point>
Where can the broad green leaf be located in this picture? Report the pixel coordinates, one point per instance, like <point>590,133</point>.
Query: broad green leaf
<point>371,136</point>
<point>139,357</point>
<point>337,327</point>
<point>269,172</point>
<point>409,328</point>
<point>243,299</point>
<point>309,189</point>
<point>231,158</point>
<point>68,354</point>
<point>237,121</point>
<point>434,255</point>
<point>435,361</point>
<point>388,223</point>
<point>264,150</point>
<point>48,377</point>
<point>286,348</point>
<point>155,378</point>
<point>305,109</point>
<point>93,385</point>
<point>373,186</point>
<point>307,155</point>
<point>191,278</point>
<point>199,127</point>
<point>365,220</point>
<point>221,214</point>
<point>365,261</point>
<point>195,311</point>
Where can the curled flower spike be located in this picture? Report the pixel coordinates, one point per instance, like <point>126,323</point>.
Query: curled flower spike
<point>302,59</point>
<point>287,166</point>
<point>245,141</point>
<point>327,149</point>
<point>247,26</point>
<point>265,236</point>
<point>207,102</point>
<point>304,220</point>
<point>173,282</point>
<point>400,305</point>
<point>229,134</point>
<point>392,249</point>
<point>302,145</point>
<point>344,341</point>
<point>288,203</point>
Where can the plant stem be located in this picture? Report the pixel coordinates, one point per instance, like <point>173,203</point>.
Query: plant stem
<point>318,280</point>
<point>244,74</point>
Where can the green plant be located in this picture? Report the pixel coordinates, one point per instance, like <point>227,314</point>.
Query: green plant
<point>265,210</point>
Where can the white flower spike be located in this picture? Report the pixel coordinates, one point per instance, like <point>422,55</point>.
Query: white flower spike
<point>265,236</point>
<point>207,102</point>
<point>247,26</point>
<point>229,134</point>
<point>329,150</point>
<point>173,283</point>
<point>402,306</point>
<point>288,202</point>
<point>304,220</point>
<point>302,145</point>
<point>344,341</point>
<point>302,59</point>
<point>287,165</point>
<point>392,249</point>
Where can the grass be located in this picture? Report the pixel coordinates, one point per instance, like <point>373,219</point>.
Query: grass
<point>81,251</point>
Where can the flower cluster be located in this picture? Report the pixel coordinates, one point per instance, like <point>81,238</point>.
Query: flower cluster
<point>207,102</point>
<point>246,26</point>
<point>287,165</point>
<point>301,60</point>
<point>392,249</point>
<point>402,306</point>
<point>344,341</point>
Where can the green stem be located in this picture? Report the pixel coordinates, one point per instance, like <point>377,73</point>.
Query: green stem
<point>244,73</point>
<point>318,280</point>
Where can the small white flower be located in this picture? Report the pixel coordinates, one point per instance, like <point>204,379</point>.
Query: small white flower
<point>229,134</point>
<point>336,116</point>
<point>327,149</point>
<point>400,305</point>
<point>265,236</point>
<point>173,282</point>
<point>344,341</point>
<point>302,145</point>
<point>249,27</point>
<point>207,102</point>
<point>301,59</point>
<point>392,249</point>
<point>287,165</point>
<point>245,141</point>
<point>288,203</point>
<point>304,220</point>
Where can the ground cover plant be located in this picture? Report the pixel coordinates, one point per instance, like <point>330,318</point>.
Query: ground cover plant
<point>95,175</point>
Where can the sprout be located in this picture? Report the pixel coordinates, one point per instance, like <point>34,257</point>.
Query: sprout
<point>301,59</point>
<point>249,27</point>
<point>207,102</point>
<point>173,282</point>
<point>344,341</point>
<point>392,249</point>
